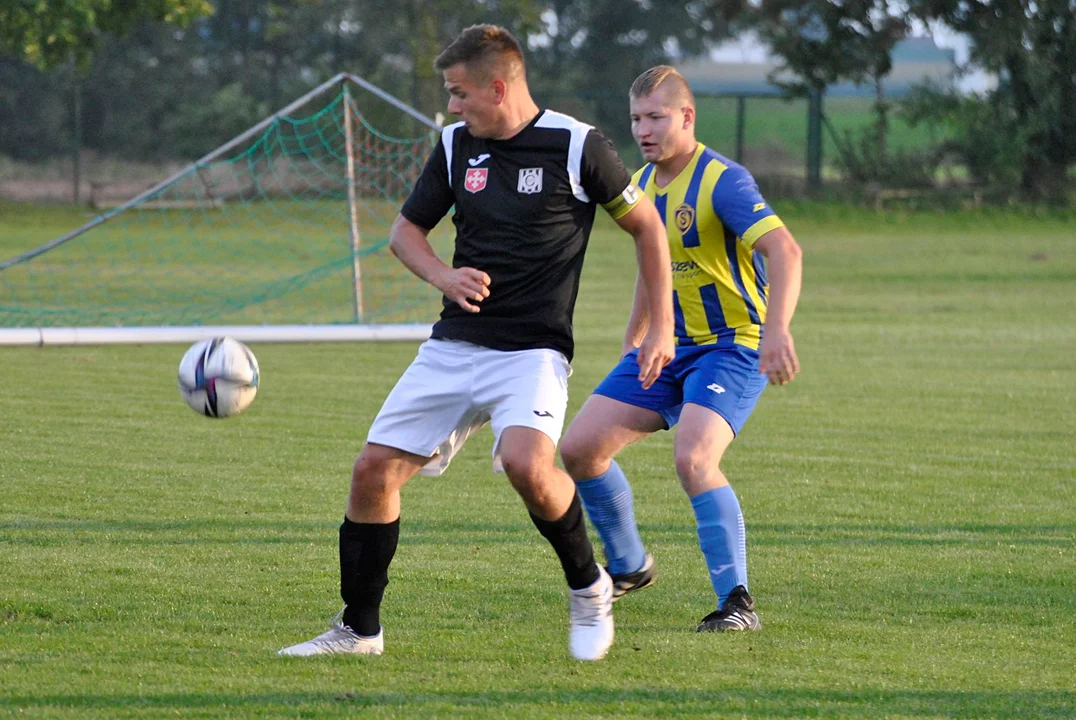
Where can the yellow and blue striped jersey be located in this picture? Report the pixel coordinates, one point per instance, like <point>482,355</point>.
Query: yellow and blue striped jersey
<point>713,214</point>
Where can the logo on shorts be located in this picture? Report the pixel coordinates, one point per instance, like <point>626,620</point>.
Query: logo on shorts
<point>544,413</point>
<point>475,179</point>
<point>530,181</point>
<point>716,388</point>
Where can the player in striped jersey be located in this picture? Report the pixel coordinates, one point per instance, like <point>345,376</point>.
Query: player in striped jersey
<point>736,279</point>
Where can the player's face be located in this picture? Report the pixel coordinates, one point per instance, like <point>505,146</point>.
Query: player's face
<point>658,126</point>
<point>475,102</point>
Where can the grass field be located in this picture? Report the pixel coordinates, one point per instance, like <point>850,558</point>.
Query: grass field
<point>784,122</point>
<point>246,263</point>
<point>775,130</point>
<point>910,503</point>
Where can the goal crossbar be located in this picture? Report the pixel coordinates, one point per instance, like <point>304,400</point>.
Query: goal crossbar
<point>41,337</point>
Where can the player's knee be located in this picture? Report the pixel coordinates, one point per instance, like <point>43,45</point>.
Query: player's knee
<point>371,475</point>
<point>690,466</point>
<point>524,469</point>
<point>578,457</point>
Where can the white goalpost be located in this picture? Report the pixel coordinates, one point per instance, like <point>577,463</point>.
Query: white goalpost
<point>278,235</point>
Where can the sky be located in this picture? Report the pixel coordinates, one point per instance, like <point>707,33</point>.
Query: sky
<point>748,49</point>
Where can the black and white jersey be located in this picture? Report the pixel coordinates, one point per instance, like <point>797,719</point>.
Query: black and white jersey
<point>524,209</point>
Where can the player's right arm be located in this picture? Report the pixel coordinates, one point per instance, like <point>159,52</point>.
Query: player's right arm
<point>430,200</point>
<point>410,243</point>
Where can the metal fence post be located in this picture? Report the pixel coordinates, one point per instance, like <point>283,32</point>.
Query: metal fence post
<point>741,120</point>
<point>814,139</point>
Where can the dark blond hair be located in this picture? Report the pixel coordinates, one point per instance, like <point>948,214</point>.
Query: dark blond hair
<point>485,48</point>
<point>663,76</point>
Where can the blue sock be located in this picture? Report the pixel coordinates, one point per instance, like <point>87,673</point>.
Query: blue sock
<point>722,539</point>
<point>609,504</point>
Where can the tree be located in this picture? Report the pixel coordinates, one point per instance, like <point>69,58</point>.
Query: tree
<point>1031,46</point>
<point>51,34</point>
<point>822,42</point>
<point>596,48</point>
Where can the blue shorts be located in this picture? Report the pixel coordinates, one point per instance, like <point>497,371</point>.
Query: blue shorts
<point>724,379</point>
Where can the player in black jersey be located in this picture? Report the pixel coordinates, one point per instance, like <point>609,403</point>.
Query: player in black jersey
<point>524,183</point>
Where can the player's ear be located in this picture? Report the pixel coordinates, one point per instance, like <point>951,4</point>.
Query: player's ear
<point>499,91</point>
<point>689,117</point>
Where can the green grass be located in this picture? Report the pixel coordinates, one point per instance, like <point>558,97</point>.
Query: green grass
<point>775,129</point>
<point>250,263</point>
<point>910,503</point>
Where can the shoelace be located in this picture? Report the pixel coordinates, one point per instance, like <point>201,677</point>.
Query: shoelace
<point>587,609</point>
<point>339,636</point>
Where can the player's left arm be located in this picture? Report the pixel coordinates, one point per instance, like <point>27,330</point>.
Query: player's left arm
<point>784,260</point>
<point>638,318</point>
<point>651,320</point>
<point>607,182</point>
<point>740,206</point>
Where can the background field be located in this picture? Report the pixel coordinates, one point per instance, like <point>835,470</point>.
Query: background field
<point>775,142</point>
<point>773,124</point>
<point>910,503</point>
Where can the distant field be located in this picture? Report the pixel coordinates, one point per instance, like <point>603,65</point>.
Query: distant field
<point>775,130</point>
<point>775,140</point>
<point>910,504</point>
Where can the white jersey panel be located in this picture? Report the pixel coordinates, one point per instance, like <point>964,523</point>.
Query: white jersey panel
<point>447,135</point>
<point>579,130</point>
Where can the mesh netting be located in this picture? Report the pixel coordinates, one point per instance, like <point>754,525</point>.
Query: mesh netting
<point>259,236</point>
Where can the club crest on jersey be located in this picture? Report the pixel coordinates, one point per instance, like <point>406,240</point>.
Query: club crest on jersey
<point>475,180</point>
<point>530,181</point>
<point>684,216</point>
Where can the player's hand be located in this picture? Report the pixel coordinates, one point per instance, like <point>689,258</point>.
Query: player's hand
<point>465,286</point>
<point>777,357</point>
<point>656,351</point>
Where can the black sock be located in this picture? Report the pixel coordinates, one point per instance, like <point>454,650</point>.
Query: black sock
<point>366,549</point>
<point>568,536</point>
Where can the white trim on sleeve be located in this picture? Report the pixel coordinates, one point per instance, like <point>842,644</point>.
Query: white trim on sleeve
<point>447,135</point>
<point>579,130</point>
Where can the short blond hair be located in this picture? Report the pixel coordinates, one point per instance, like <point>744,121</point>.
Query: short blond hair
<point>667,76</point>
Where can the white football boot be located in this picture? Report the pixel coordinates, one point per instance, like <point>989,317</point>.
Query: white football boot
<point>591,610</point>
<point>339,640</point>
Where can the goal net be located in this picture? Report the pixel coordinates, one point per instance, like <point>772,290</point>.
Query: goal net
<point>280,234</point>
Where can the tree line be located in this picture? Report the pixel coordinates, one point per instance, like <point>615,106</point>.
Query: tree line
<point>170,79</point>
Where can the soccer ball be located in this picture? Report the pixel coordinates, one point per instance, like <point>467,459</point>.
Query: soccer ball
<point>218,377</point>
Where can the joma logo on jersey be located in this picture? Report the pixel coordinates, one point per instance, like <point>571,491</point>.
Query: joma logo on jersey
<point>684,216</point>
<point>530,181</point>
<point>475,180</point>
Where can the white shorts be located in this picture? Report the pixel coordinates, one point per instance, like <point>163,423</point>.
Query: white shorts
<point>453,388</point>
